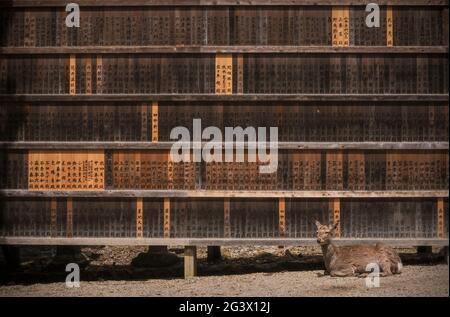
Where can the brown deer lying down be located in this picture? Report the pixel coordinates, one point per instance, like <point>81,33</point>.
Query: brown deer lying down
<point>352,260</point>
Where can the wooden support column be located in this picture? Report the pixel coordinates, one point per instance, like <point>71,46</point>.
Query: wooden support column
<point>72,75</point>
<point>69,216</point>
<point>190,261</point>
<point>389,27</point>
<point>166,217</point>
<point>282,217</point>
<point>335,207</point>
<point>139,217</point>
<point>155,121</point>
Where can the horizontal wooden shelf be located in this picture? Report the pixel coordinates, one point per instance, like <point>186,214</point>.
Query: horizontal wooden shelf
<point>400,242</point>
<point>132,193</point>
<point>104,3</point>
<point>224,49</point>
<point>233,97</point>
<point>119,145</point>
<point>120,3</point>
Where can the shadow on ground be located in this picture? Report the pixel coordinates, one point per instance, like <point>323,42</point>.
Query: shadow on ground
<point>42,269</point>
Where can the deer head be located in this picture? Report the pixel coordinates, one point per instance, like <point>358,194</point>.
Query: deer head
<point>325,233</point>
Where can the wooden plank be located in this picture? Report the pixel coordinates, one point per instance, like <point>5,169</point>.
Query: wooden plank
<point>190,261</point>
<point>282,217</point>
<point>226,49</point>
<point>94,145</point>
<point>226,218</point>
<point>53,217</point>
<point>68,170</point>
<point>335,207</point>
<point>240,74</point>
<point>226,193</point>
<point>72,75</point>
<point>69,215</point>
<point>139,217</point>
<point>234,97</point>
<point>118,3</point>
<point>340,17</point>
<point>401,242</point>
<point>224,74</point>
<point>88,71</point>
<point>389,27</point>
<point>440,218</point>
<point>155,121</point>
<point>99,74</point>
<point>166,217</point>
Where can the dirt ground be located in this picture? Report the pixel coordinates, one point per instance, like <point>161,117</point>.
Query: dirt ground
<point>243,271</point>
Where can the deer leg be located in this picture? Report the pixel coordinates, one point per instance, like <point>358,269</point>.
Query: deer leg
<point>385,268</point>
<point>343,272</point>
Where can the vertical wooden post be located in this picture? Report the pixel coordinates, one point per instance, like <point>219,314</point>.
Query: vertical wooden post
<point>69,216</point>
<point>226,218</point>
<point>190,261</point>
<point>139,217</point>
<point>335,207</point>
<point>282,217</point>
<point>166,217</point>
<point>389,27</point>
<point>72,75</point>
<point>155,121</point>
<point>440,218</point>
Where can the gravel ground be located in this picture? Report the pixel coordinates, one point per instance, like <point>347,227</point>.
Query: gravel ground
<point>256,271</point>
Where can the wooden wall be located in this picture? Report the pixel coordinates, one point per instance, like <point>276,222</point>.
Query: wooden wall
<point>86,115</point>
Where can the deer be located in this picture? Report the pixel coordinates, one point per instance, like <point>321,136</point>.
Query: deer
<point>352,260</point>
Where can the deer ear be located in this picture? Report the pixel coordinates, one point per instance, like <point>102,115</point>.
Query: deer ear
<point>318,224</point>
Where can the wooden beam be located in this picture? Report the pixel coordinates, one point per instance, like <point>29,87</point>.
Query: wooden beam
<point>141,145</point>
<point>119,3</point>
<point>440,218</point>
<point>211,49</point>
<point>404,242</point>
<point>234,97</point>
<point>22,193</point>
<point>190,261</point>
